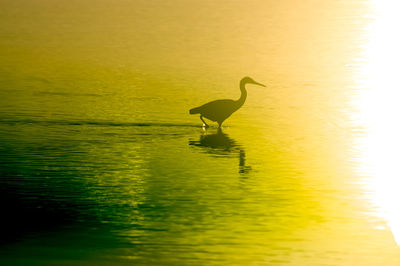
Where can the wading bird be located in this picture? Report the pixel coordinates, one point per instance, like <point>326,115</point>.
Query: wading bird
<point>220,110</point>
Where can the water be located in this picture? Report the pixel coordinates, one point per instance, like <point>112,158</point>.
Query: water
<point>102,164</point>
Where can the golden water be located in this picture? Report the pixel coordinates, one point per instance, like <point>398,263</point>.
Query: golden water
<point>102,164</point>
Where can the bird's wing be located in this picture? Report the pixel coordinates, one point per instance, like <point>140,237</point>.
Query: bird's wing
<point>218,110</point>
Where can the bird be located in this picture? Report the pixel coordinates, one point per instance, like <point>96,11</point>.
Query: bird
<point>219,110</point>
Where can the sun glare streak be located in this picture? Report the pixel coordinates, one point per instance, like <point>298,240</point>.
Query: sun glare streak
<point>379,112</point>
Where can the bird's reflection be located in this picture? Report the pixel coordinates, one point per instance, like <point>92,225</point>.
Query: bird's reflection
<point>221,144</point>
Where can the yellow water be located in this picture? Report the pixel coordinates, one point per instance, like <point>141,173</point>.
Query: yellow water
<point>102,164</point>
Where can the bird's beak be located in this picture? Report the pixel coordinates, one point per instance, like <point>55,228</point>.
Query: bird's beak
<point>259,84</point>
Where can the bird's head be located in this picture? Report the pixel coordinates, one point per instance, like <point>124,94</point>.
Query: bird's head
<point>248,80</point>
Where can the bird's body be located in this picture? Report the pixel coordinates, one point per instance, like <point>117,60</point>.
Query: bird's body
<point>217,111</point>
<point>220,110</point>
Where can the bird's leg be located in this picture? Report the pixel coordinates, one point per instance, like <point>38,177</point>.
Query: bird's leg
<point>204,122</point>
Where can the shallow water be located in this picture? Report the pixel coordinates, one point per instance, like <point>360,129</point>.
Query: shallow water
<point>102,164</point>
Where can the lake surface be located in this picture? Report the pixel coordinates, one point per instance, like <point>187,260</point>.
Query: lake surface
<point>102,164</point>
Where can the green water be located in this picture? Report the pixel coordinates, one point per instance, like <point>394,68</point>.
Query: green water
<point>101,163</point>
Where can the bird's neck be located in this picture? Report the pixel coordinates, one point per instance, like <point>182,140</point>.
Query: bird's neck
<point>243,94</point>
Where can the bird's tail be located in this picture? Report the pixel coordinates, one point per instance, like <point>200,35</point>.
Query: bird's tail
<point>194,111</point>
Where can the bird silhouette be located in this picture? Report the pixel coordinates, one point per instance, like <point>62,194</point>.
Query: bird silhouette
<point>220,110</point>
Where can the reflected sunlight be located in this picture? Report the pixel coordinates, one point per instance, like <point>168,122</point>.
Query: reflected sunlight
<point>379,109</point>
